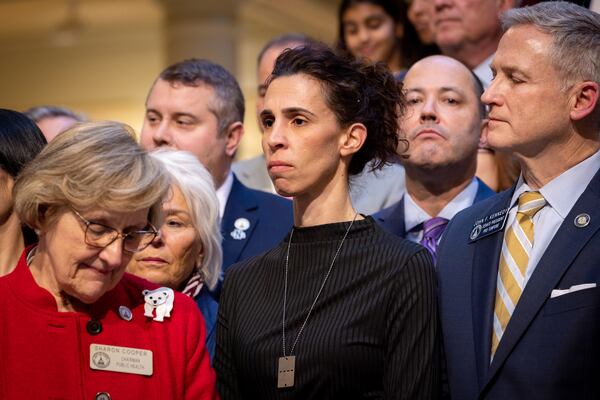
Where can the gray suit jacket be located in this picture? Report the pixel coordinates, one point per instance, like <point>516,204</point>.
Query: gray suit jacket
<point>369,191</point>
<point>373,191</point>
<point>253,174</point>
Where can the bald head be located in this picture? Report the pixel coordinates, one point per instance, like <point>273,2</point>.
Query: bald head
<point>443,120</point>
<point>444,65</point>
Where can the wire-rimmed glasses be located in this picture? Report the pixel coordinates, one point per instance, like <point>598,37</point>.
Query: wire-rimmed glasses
<point>99,235</point>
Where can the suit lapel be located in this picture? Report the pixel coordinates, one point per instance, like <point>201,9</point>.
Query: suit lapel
<point>562,250</point>
<point>241,204</point>
<point>483,286</point>
<point>483,192</point>
<point>393,219</point>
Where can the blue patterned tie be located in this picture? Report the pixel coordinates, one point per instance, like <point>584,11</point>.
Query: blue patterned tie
<point>432,230</point>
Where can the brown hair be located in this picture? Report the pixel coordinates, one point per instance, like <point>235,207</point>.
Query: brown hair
<point>227,103</point>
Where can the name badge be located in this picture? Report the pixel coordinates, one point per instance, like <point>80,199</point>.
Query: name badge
<point>121,359</point>
<point>488,225</point>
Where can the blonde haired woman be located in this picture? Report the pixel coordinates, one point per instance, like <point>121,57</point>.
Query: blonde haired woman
<point>72,324</point>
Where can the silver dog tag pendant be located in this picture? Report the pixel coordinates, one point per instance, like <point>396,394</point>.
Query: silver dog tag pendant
<point>285,374</point>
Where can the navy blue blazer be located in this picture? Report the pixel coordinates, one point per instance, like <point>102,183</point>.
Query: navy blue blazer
<point>551,346</point>
<point>208,308</point>
<point>392,218</point>
<point>270,219</point>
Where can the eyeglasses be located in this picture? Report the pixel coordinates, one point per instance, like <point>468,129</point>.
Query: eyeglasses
<point>101,236</point>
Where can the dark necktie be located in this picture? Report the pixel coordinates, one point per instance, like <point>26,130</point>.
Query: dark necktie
<point>432,230</point>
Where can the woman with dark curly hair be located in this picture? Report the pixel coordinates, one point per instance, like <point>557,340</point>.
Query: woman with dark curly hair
<point>340,309</point>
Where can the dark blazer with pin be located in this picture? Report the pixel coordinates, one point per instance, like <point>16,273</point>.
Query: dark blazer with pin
<point>551,346</point>
<point>270,217</point>
<point>391,219</point>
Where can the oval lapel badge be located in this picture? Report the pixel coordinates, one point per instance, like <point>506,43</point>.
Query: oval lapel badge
<point>125,313</point>
<point>582,220</point>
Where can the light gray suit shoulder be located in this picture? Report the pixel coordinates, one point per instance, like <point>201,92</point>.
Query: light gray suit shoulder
<point>253,173</point>
<point>373,191</point>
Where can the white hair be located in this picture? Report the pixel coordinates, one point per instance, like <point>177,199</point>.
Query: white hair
<point>197,187</point>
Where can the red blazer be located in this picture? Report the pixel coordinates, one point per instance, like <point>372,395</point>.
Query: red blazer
<point>46,354</point>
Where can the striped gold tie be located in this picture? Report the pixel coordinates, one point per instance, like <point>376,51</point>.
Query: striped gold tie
<point>518,242</point>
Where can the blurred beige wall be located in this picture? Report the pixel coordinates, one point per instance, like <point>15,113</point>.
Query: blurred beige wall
<point>103,61</point>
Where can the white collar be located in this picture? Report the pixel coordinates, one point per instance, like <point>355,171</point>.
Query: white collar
<point>415,215</point>
<point>562,192</point>
<point>484,72</point>
<point>223,192</point>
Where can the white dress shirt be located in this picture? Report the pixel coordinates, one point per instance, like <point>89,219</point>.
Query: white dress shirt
<point>484,72</point>
<point>415,215</point>
<point>223,193</point>
<point>561,194</point>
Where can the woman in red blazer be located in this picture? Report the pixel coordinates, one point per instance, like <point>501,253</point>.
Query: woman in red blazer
<point>72,324</point>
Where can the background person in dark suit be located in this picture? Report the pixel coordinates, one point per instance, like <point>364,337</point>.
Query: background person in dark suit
<point>197,106</point>
<point>518,272</point>
<point>443,126</point>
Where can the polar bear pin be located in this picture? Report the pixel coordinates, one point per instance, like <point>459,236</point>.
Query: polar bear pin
<point>161,300</point>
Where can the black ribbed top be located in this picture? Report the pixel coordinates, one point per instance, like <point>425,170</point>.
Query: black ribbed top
<point>372,334</point>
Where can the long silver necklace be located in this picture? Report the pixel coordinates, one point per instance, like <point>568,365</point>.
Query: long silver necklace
<point>286,365</point>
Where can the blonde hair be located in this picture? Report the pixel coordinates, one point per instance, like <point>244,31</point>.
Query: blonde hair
<point>92,165</point>
<point>197,187</point>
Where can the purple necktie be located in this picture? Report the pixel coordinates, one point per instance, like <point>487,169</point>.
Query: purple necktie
<point>432,230</point>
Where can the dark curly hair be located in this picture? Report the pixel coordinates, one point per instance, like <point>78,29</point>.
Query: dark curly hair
<point>355,92</point>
